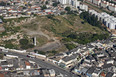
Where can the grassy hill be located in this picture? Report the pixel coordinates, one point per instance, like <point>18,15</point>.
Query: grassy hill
<point>69,23</point>
<point>65,31</point>
<point>61,26</point>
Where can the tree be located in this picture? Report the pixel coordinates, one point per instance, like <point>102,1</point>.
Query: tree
<point>23,42</point>
<point>46,2</point>
<point>50,16</point>
<point>55,4</point>
<point>91,19</point>
<point>41,52</point>
<point>62,13</point>
<point>1,55</point>
<point>24,47</point>
<point>70,46</point>
<point>30,4</point>
<point>30,46</point>
<point>54,52</point>
<point>43,7</point>
<point>11,46</point>
<point>68,9</point>
<point>2,3</point>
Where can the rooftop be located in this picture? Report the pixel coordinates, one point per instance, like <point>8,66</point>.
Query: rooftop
<point>68,58</point>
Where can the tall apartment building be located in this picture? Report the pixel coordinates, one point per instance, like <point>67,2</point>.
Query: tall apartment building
<point>112,7</point>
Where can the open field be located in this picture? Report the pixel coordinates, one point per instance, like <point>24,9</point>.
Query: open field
<point>50,30</point>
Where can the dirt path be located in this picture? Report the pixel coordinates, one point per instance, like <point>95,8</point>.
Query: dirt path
<point>48,46</point>
<point>35,33</point>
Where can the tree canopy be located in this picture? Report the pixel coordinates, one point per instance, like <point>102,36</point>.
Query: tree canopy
<point>23,41</point>
<point>91,19</point>
<point>43,7</point>
<point>67,9</point>
<point>55,4</point>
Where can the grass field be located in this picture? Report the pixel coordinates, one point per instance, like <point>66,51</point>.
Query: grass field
<point>41,40</point>
<point>60,25</point>
<point>47,28</point>
<point>69,23</point>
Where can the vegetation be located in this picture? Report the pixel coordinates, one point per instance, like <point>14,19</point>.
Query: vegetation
<point>9,45</point>
<point>70,46</point>
<point>1,55</point>
<point>72,28</point>
<point>23,41</point>
<point>53,52</point>
<point>39,52</point>
<point>3,3</point>
<point>91,19</point>
<point>15,19</point>
<point>25,44</point>
<point>69,28</point>
<point>46,2</point>
<point>62,13</point>
<point>100,9</point>
<point>84,38</point>
<point>67,9</point>
<point>43,7</point>
<point>41,40</point>
<point>55,4</point>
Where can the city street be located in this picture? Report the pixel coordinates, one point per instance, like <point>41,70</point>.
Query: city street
<point>45,64</point>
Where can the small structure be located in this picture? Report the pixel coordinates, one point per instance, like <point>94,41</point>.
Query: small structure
<point>34,41</point>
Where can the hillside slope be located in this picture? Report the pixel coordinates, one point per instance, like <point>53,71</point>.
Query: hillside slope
<point>50,29</point>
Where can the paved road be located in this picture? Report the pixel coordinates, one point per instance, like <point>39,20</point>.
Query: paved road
<point>45,64</point>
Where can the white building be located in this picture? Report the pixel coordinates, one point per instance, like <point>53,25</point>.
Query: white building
<point>90,1</point>
<point>104,4</point>
<point>106,19</point>
<point>63,1</point>
<point>28,66</point>
<point>112,7</point>
<point>112,25</point>
<point>52,73</point>
<point>84,7</point>
<point>97,2</point>
<point>75,3</point>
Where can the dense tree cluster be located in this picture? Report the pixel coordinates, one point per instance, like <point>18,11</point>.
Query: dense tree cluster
<point>84,38</point>
<point>9,45</point>
<point>55,4</point>
<point>67,8</point>
<point>39,52</point>
<point>25,44</point>
<point>3,3</point>
<point>43,7</point>
<point>70,46</point>
<point>91,19</point>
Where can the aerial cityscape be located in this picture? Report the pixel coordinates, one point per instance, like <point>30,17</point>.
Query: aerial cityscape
<point>57,38</point>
